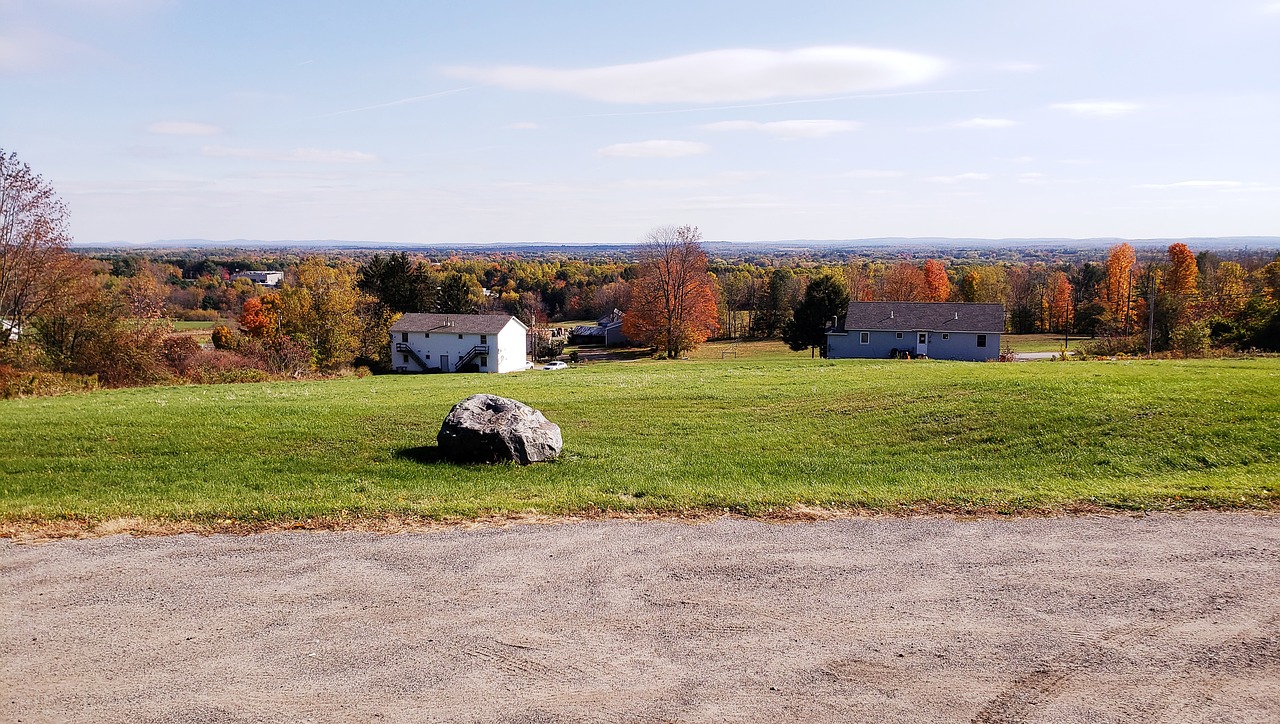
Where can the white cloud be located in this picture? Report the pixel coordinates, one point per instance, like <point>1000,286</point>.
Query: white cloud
<point>724,178</point>
<point>1196,185</point>
<point>1271,8</point>
<point>523,126</point>
<point>872,173</point>
<point>988,123</point>
<point>1018,67</point>
<point>787,129</point>
<point>721,76</point>
<point>959,178</point>
<point>1098,109</point>
<point>307,155</point>
<point>1031,178</point>
<point>25,50</point>
<point>183,128</point>
<point>658,148</point>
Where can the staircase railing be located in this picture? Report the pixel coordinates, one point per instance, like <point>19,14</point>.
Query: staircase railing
<point>471,354</point>
<point>406,349</point>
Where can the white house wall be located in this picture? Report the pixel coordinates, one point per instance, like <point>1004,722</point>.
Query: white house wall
<point>506,349</point>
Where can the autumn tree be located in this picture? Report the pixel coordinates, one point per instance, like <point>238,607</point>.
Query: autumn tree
<point>825,299</point>
<point>260,317</point>
<point>904,282</point>
<point>937,284</point>
<point>35,268</point>
<point>1058,302</point>
<point>1117,288</point>
<point>673,301</point>
<point>1183,270</point>
<point>320,311</point>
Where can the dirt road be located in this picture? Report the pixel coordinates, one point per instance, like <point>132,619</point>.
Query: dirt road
<point>1079,619</point>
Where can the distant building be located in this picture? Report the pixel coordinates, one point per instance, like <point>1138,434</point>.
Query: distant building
<point>10,330</point>
<point>938,330</point>
<point>458,343</point>
<point>607,331</point>
<point>265,278</point>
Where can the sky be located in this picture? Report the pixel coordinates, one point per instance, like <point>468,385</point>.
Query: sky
<point>593,122</point>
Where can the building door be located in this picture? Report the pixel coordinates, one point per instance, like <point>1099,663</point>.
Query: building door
<point>922,343</point>
<point>444,363</point>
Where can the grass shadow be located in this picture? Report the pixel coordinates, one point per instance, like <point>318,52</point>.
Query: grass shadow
<point>423,454</point>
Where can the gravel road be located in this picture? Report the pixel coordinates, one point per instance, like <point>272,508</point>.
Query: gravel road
<point>1079,619</point>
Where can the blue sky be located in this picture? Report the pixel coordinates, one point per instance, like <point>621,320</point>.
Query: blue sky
<point>434,122</point>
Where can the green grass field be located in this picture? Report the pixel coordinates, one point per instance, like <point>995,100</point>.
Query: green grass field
<point>185,326</point>
<point>1039,342</point>
<point>769,429</point>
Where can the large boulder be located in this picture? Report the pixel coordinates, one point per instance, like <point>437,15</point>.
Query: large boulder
<point>492,429</point>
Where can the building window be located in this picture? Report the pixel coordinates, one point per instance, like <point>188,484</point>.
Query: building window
<point>426,335</point>
<point>864,338</point>
<point>484,361</point>
<point>899,335</point>
<point>982,340</point>
<point>484,339</point>
<point>406,358</point>
<point>404,336</point>
<point>459,336</point>
<point>426,356</point>
<point>946,336</point>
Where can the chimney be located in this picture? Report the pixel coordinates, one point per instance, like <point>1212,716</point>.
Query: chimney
<point>890,314</point>
<point>957,315</point>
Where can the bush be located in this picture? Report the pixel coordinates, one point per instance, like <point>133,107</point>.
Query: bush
<point>1191,340</point>
<point>178,353</point>
<point>197,315</point>
<point>1112,346</point>
<point>26,383</point>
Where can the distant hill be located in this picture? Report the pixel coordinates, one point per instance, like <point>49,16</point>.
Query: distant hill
<point>1198,243</point>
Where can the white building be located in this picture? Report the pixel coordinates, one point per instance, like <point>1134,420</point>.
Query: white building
<point>265,278</point>
<point>458,343</point>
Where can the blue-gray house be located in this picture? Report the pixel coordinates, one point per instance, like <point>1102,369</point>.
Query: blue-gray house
<point>937,330</point>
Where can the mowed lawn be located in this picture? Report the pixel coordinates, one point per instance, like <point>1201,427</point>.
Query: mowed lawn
<point>749,435</point>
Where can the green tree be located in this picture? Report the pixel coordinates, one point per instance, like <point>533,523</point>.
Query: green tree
<point>457,294</point>
<point>824,300</point>
<point>320,311</point>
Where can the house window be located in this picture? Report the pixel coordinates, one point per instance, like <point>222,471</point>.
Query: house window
<point>946,336</point>
<point>899,335</point>
<point>864,338</point>
<point>982,340</point>
<point>404,336</point>
<point>484,339</point>
<point>484,361</point>
<point>426,356</point>
<point>459,336</point>
<point>406,358</point>
<point>426,335</point>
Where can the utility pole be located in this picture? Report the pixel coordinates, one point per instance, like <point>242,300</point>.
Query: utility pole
<point>1151,307</point>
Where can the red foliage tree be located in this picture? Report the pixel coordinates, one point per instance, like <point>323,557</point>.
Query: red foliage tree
<point>673,301</point>
<point>1181,280</point>
<point>904,282</point>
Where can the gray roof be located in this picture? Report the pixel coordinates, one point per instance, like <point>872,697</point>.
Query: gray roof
<point>454,323</point>
<point>925,316</point>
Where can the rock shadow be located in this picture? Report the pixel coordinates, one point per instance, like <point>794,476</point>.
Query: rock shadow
<point>423,454</point>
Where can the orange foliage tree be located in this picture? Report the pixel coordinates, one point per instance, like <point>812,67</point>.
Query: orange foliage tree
<point>673,301</point>
<point>1058,302</point>
<point>904,282</point>
<point>936,281</point>
<point>260,318</point>
<point>1181,280</point>
<point>1117,287</point>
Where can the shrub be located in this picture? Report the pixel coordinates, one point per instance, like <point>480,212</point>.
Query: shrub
<point>197,315</point>
<point>1191,340</point>
<point>178,353</point>
<point>27,383</point>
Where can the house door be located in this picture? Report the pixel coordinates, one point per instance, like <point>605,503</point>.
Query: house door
<point>922,343</point>
<point>444,363</point>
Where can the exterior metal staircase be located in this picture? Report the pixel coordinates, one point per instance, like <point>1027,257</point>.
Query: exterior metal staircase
<point>471,354</point>
<point>406,349</point>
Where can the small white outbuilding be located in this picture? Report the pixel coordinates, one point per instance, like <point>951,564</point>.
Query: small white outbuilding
<point>458,343</point>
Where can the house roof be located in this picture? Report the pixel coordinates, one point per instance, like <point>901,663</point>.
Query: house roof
<point>454,323</point>
<point>614,317</point>
<point>925,316</point>
<point>587,331</point>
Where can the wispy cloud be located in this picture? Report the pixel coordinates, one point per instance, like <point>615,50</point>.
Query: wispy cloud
<point>1271,8</point>
<point>987,123</point>
<point>26,50</point>
<point>872,173</point>
<point>959,178</point>
<point>724,178</point>
<point>723,76</point>
<point>1098,109</point>
<point>1197,184</point>
<point>523,126</point>
<point>787,129</point>
<point>183,128</point>
<point>304,155</point>
<point>1018,67</point>
<point>658,148</point>
<point>400,102</point>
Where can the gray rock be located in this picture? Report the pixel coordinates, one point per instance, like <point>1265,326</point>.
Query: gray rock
<point>492,429</point>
